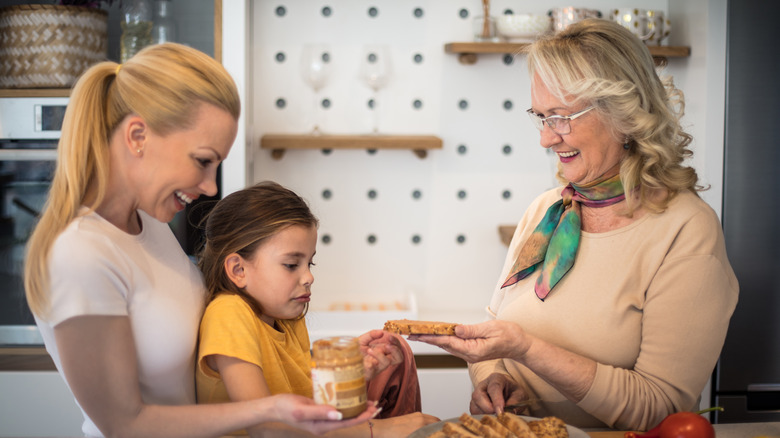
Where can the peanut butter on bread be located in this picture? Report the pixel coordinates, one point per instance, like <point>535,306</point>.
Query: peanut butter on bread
<point>412,327</point>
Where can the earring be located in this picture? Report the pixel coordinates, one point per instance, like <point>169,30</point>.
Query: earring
<point>626,146</point>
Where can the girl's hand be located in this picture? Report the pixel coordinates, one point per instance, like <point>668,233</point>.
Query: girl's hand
<point>492,394</point>
<point>380,350</point>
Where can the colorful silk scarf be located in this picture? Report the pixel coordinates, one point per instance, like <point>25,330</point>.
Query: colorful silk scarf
<point>554,242</point>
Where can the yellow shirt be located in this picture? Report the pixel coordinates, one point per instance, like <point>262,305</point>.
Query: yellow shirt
<point>229,327</point>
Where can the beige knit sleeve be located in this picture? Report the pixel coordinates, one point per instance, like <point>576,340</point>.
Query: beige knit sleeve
<point>684,324</point>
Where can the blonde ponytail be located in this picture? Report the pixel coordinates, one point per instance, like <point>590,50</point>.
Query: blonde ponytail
<point>163,84</point>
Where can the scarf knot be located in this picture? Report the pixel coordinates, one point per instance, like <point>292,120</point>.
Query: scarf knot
<point>554,242</point>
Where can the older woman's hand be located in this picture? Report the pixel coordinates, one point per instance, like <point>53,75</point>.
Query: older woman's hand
<point>493,339</point>
<point>380,350</point>
<point>491,395</point>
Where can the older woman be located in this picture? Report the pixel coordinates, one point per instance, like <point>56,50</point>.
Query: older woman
<point>613,304</point>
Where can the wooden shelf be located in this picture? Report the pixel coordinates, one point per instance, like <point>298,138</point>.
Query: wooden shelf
<point>467,52</point>
<point>34,92</point>
<point>19,358</point>
<point>279,143</point>
<point>506,232</point>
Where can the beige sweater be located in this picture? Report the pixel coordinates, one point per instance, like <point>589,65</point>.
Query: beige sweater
<point>650,302</point>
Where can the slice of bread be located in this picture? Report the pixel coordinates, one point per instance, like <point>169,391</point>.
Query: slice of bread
<point>488,432</point>
<point>516,424</point>
<point>455,430</point>
<point>412,327</point>
<point>496,425</point>
<point>470,423</point>
<point>549,427</point>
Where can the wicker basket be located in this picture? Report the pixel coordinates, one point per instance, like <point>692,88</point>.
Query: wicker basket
<point>49,46</point>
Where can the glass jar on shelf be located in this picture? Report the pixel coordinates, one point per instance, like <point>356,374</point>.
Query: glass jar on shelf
<point>164,28</point>
<point>136,25</point>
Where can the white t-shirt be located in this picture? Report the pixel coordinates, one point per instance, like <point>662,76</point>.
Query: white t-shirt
<point>97,269</point>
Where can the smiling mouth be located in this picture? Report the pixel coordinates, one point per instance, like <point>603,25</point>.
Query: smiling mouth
<point>181,196</point>
<point>567,154</point>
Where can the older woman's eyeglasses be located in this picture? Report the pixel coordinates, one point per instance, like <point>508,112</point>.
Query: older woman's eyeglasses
<point>560,124</point>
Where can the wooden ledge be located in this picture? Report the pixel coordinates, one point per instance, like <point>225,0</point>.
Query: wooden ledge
<point>279,143</point>
<point>467,51</point>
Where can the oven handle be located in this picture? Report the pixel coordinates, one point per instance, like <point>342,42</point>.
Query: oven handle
<point>28,154</point>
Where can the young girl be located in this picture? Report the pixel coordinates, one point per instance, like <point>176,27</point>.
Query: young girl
<point>257,259</point>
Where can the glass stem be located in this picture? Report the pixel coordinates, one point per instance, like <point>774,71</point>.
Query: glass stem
<point>375,110</point>
<point>315,112</point>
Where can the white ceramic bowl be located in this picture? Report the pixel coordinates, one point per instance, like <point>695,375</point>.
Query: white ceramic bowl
<point>523,27</point>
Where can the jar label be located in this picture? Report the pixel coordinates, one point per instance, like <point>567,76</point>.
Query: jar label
<point>342,388</point>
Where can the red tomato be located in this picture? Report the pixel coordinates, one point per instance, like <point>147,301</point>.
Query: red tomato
<point>686,425</point>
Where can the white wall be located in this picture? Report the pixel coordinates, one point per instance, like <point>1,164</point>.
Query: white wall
<point>444,273</point>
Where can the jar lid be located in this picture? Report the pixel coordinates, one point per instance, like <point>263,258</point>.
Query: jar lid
<point>336,347</point>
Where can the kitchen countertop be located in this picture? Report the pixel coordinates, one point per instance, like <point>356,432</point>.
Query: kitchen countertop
<point>731,430</point>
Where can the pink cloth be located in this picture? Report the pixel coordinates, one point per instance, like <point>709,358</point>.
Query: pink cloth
<point>396,388</point>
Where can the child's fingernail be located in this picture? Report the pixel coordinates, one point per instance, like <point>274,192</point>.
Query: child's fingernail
<point>335,415</point>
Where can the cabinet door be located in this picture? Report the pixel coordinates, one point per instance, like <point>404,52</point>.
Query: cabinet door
<point>37,403</point>
<point>446,392</point>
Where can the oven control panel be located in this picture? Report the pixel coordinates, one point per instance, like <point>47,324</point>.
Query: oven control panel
<point>31,118</point>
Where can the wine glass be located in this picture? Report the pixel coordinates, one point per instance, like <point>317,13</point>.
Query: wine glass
<point>315,69</point>
<point>375,72</point>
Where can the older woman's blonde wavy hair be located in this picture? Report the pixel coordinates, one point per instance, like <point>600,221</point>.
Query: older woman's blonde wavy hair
<point>600,63</point>
<point>164,84</point>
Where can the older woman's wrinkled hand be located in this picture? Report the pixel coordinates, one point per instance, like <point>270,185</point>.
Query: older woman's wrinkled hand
<point>474,343</point>
<point>491,395</point>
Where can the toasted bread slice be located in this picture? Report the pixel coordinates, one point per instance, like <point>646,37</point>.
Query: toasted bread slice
<point>470,423</point>
<point>496,425</point>
<point>517,425</point>
<point>455,430</point>
<point>488,432</point>
<point>411,327</point>
<point>549,427</point>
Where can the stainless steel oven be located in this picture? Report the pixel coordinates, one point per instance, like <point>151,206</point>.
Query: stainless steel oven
<point>29,132</point>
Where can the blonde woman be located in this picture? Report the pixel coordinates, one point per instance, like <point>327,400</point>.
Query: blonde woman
<point>614,300</point>
<point>117,301</point>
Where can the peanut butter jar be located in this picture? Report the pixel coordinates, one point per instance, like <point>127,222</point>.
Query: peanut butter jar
<point>338,376</point>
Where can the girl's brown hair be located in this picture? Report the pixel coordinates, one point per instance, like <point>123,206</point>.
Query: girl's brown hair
<point>240,223</point>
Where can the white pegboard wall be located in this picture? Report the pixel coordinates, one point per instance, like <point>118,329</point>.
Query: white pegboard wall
<point>433,221</point>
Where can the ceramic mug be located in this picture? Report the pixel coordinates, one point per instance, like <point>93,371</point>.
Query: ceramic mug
<point>635,20</point>
<point>562,17</point>
<point>660,27</point>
